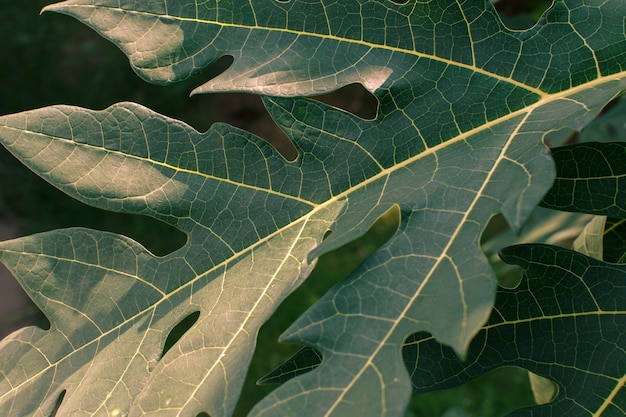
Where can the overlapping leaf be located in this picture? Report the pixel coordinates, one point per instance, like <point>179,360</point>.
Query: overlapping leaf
<point>464,105</point>
<point>565,321</point>
<point>567,325</point>
<point>591,178</point>
<point>112,303</point>
<point>614,240</point>
<point>609,127</point>
<point>587,298</point>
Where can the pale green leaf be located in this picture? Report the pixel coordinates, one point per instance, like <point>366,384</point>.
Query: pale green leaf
<point>112,303</point>
<point>543,389</point>
<point>589,242</point>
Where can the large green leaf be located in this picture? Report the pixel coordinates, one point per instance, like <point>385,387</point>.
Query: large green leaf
<point>553,278</point>
<point>566,322</point>
<point>112,303</point>
<point>567,325</point>
<point>464,106</point>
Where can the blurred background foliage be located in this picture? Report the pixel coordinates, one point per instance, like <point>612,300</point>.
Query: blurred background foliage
<point>53,59</point>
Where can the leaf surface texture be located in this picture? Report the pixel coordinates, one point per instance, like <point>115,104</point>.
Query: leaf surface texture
<point>464,106</point>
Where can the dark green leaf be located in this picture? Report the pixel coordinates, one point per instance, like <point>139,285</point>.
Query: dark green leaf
<point>609,126</point>
<point>563,324</point>
<point>590,178</point>
<point>614,242</point>
<point>303,361</point>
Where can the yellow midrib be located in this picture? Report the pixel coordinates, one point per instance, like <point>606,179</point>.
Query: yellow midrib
<point>174,168</point>
<point>609,399</point>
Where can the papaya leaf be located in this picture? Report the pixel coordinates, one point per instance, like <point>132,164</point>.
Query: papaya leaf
<point>614,240</point>
<point>434,367</point>
<point>464,106</point>
<point>111,302</point>
<point>609,127</point>
<point>569,337</point>
<point>563,324</point>
<point>590,178</point>
<point>589,242</point>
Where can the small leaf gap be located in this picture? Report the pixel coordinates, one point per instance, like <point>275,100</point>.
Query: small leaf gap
<point>179,330</point>
<point>16,308</point>
<point>521,14</point>
<point>499,383</point>
<point>247,112</point>
<point>353,98</point>
<point>24,313</point>
<point>58,403</point>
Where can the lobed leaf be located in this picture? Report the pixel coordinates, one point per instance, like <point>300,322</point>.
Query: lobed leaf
<point>112,303</point>
<point>590,178</point>
<point>562,324</point>
<point>465,104</point>
<point>614,240</point>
